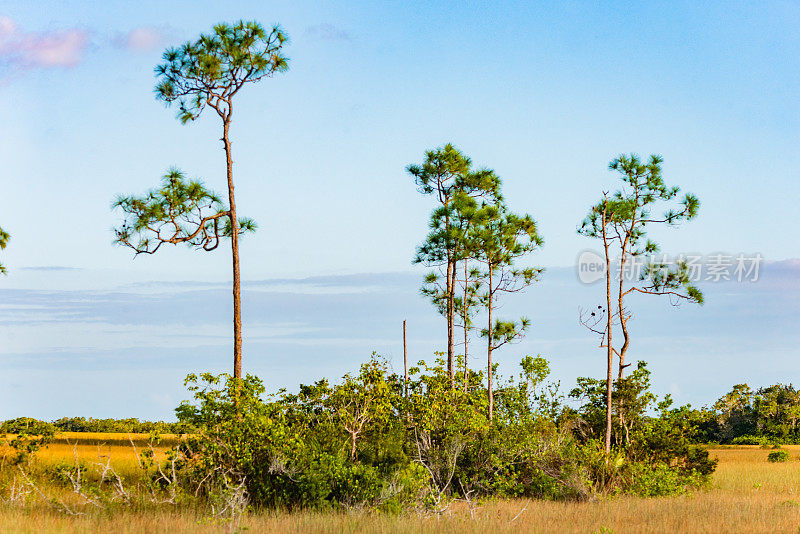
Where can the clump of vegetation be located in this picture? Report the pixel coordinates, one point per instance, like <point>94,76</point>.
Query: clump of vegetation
<point>25,436</point>
<point>777,456</point>
<point>364,443</point>
<point>376,441</point>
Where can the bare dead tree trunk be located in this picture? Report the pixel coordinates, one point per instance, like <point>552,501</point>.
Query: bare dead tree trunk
<point>237,300</point>
<point>609,349</point>
<point>405,361</point>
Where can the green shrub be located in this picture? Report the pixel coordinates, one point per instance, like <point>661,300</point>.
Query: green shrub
<point>363,442</point>
<point>30,435</point>
<point>778,456</point>
<point>659,480</point>
<point>764,441</point>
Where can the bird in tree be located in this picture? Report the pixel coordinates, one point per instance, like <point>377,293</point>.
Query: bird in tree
<point>207,74</point>
<point>621,221</point>
<point>4,239</point>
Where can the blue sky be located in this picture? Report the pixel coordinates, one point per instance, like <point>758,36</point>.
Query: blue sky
<point>546,94</point>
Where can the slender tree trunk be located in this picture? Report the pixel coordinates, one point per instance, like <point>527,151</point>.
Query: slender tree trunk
<point>609,349</point>
<point>623,322</point>
<point>625,340</point>
<point>621,304</point>
<point>466,325</point>
<point>450,312</point>
<point>237,299</point>
<point>489,349</point>
<point>405,362</point>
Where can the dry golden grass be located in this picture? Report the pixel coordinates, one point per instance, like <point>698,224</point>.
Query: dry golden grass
<point>122,449</point>
<point>748,494</point>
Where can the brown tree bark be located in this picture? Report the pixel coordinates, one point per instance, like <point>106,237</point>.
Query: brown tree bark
<point>466,326</point>
<point>405,362</point>
<point>450,322</point>
<point>489,350</point>
<point>237,300</point>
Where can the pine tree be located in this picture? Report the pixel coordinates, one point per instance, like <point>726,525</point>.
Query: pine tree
<point>500,239</point>
<point>208,73</point>
<point>447,175</point>
<point>620,221</point>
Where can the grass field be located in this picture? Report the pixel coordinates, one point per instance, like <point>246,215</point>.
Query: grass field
<point>748,494</point>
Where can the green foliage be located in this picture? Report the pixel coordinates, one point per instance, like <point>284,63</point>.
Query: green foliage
<point>746,417</point>
<point>28,436</point>
<point>499,239</point>
<point>90,424</point>
<point>209,72</point>
<point>322,447</point>
<point>778,456</point>
<point>362,443</point>
<point>661,480</point>
<point>127,426</point>
<point>64,472</point>
<point>212,69</point>
<point>448,176</point>
<point>642,439</point>
<point>625,216</point>
<point>621,222</point>
<point>631,398</point>
<point>4,239</point>
<point>180,211</point>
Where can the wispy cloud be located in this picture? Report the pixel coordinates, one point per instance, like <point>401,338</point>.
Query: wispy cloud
<point>21,50</point>
<point>50,268</point>
<point>141,39</point>
<point>328,32</point>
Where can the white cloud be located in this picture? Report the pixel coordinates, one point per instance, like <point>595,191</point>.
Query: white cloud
<point>141,39</point>
<point>27,50</point>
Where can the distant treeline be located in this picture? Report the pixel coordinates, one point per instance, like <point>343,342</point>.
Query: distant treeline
<point>83,424</point>
<point>743,416</point>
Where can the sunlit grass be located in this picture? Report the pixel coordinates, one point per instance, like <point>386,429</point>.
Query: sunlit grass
<point>124,450</point>
<point>748,494</point>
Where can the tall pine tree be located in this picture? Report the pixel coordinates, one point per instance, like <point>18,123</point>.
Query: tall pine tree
<point>207,74</point>
<point>447,176</point>
<point>621,221</point>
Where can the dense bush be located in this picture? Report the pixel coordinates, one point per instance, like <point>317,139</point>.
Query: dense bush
<point>364,443</point>
<point>778,456</point>
<point>372,440</point>
<point>668,439</point>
